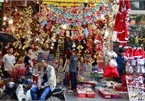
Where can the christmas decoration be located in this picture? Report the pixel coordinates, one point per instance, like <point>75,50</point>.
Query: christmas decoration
<point>121,23</point>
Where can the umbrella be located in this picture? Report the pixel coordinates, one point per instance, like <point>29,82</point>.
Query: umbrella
<point>121,22</point>
<point>5,37</point>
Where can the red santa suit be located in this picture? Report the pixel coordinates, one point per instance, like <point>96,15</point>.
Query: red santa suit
<point>121,22</point>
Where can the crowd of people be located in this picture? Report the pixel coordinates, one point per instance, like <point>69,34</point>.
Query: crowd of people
<point>47,80</point>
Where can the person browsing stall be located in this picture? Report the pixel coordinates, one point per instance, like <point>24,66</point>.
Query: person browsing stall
<point>9,61</point>
<point>119,61</point>
<point>47,82</point>
<point>28,61</point>
<point>73,70</point>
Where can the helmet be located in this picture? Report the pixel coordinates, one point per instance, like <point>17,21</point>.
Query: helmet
<point>10,85</point>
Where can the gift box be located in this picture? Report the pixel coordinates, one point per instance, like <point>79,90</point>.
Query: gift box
<point>91,94</point>
<point>81,93</point>
<point>94,75</point>
<point>92,83</point>
<point>115,96</point>
<point>100,75</point>
<point>104,93</point>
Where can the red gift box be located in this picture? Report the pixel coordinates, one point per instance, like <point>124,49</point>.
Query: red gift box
<point>106,96</point>
<point>81,95</point>
<point>91,95</point>
<point>91,83</point>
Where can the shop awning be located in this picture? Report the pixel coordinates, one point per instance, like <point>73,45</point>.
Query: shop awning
<point>5,37</point>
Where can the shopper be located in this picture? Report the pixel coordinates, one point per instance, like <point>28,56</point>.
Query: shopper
<point>46,82</point>
<point>28,60</point>
<point>9,61</point>
<point>66,69</point>
<point>119,61</point>
<point>73,70</point>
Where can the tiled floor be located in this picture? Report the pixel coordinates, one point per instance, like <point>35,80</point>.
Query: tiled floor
<point>72,97</point>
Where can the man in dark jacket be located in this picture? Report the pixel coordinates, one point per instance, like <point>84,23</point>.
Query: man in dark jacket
<point>119,61</point>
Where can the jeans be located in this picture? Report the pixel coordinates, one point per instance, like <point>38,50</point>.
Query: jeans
<point>120,73</point>
<point>73,80</point>
<point>35,89</point>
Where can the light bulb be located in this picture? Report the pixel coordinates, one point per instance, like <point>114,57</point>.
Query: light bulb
<point>11,21</point>
<point>16,9</point>
<point>64,26</point>
<point>4,18</point>
<point>37,39</point>
<point>103,17</point>
<point>37,2</point>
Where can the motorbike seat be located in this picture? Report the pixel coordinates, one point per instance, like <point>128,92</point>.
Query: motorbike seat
<point>57,90</point>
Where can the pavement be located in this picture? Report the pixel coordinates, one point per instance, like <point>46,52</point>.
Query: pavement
<point>73,97</point>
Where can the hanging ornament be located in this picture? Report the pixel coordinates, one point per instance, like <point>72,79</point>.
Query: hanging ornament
<point>84,22</point>
<point>99,14</point>
<point>80,16</point>
<point>103,11</point>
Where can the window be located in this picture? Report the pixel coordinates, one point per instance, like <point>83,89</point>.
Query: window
<point>137,4</point>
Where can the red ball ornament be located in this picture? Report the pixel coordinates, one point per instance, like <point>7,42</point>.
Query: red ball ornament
<point>17,15</point>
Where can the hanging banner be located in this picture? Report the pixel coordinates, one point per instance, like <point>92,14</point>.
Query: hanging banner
<point>70,3</point>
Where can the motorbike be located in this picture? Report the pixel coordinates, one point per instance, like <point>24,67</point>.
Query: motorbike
<point>15,91</point>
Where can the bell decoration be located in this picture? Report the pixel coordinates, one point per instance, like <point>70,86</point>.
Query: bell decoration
<point>16,54</point>
<point>80,47</point>
<point>87,51</point>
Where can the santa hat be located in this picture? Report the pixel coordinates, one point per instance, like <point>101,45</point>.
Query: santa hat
<point>132,53</point>
<point>137,53</point>
<point>141,52</point>
<point>127,53</point>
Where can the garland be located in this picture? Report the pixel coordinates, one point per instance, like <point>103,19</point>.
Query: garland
<point>75,16</point>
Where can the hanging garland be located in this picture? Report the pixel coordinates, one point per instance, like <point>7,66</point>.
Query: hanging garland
<point>75,16</point>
